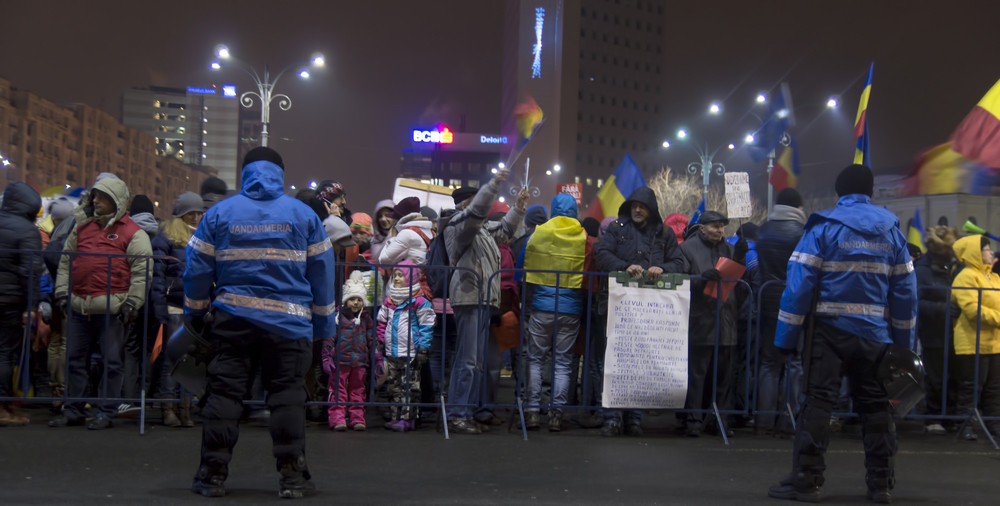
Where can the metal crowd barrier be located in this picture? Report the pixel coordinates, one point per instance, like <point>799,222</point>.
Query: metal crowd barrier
<point>751,365</point>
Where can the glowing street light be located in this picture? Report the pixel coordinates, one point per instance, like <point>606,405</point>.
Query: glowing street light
<point>761,98</point>
<point>312,184</point>
<point>548,173</point>
<point>502,166</point>
<point>500,199</point>
<point>732,146</point>
<point>265,85</point>
<point>556,167</point>
<point>291,187</point>
<point>681,134</point>
<point>494,170</point>
<point>749,138</point>
<point>714,109</point>
<point>832,103</point>
<point>666,144</point>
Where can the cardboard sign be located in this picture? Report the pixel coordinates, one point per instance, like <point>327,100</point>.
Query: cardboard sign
<point>574,189</point>
<point>646,362</point>
<point>738,195</point>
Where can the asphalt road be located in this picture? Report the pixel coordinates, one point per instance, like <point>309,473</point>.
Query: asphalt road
<point>39,465</point>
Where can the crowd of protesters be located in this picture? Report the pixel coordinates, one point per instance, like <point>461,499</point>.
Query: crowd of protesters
<point>428,305</point>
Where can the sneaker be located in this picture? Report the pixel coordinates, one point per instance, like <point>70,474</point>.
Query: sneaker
<point>808,493</point>
<point>294,483</point>
<point>968,433</point>
<point>506,373</point>
<point>591,422</point>
<point>209,482</point>
<point>398,426</point>
<point>878,496</point>
<point>532,420</point>
<point>127,410</point>
<point>555,421</point>
<point>65,421</point>
<point>101,423</point>
<point>935,429</point>
<point>462,427</point>
<point>835,426</point>
<point>360,427</point>
<point>611,428</point>
<point>339,427</point>
<point>634,430</point>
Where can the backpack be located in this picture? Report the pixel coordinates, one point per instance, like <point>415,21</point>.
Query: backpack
<point>437,256</point>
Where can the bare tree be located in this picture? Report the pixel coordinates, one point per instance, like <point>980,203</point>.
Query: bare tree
<point>681,193</point>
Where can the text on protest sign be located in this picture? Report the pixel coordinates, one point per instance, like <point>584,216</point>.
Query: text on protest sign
<point>738,195</point>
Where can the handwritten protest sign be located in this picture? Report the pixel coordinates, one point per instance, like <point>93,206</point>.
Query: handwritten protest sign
<point>738,195</point>
<point>646,362</point>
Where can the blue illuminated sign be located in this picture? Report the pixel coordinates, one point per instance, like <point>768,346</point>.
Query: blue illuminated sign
<point>204,91</point>
<point>489,139</point>
<point>229,90</point>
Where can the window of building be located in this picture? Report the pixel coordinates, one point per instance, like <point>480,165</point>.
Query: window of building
<point>605,37</point>
<point>590,159</point>
<point>612,142</point>
<point>601,142</point>
<point>590,139</point>
<point>576,179</point>
<point>616,39</point>
<point>473,183</point>
<point>455,183</point>
<point>602,120</point>
<point>600,160</point>
<point>590,182</point>
<point>583,32</point>
<point>602,99</point>
<point>600,182</point>
<point>455,168</point>
<point>583,12</point>
<point>612,119</point>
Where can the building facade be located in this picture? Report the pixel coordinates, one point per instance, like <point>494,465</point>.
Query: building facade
<point>197,126</point>
<point>598,77</point>
<point>453,159</point>
<point>49,145</point>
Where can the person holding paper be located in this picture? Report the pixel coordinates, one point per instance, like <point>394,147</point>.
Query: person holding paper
<point>852,260</point>
<point>707,255</point>
<point>638,243</point>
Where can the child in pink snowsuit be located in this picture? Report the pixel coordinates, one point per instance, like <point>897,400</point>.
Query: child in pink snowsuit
<point>351,350</point>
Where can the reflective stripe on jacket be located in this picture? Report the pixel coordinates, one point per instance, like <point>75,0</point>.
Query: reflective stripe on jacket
<point>857,256</point>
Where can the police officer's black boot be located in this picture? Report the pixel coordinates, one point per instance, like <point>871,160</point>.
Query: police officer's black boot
<point>797,486</point>
<point>879,433</point>
<point>294,483</point>
<point>210,481</point>
<point>879,483</point>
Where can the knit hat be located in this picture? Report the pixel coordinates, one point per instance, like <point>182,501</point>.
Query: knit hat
<point>428,213</point>
<point>855,179</point>
<point>61,208</point>
<point>330,190</point>
<point>406,206</point>
<point>338,231</point>
<point>712,217</point>
<point>789,197</point>
<point>263,153</point>
<point>748,230</point>
<point>362,222</point>
<point>592,226</point>
<point>142,204</point>
<point>605,223</point>
<point>941,236</point>
<point>498,210</point>
<point>464,193</point>
<point>536,215</point>
<point>354,287</point>
<point>189,202</point>
<point>214,186</point>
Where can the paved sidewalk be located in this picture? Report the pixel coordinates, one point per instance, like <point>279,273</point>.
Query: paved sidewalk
<point>39,465</point>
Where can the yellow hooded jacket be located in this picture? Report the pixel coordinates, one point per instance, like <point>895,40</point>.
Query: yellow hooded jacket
<point>976,275</point>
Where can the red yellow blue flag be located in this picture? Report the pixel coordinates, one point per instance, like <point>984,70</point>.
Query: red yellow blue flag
<point>785,173</point>
<point>528,119</point>
<point>862,147</point>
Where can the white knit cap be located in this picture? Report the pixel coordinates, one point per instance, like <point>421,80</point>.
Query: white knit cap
<point>354,287</point>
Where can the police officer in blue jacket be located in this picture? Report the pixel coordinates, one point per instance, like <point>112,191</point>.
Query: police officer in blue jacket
<point>854,258</point>
<point>262,263</point>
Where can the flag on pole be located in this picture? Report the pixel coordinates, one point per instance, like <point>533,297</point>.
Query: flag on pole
<point>528,119</point>
<point>977,138</point>
<point>915,235</point>
<point>862,148</point>
<point>767,138</point>
<point>625,180</point>
<point>785,173</point>
<point>698,212</point>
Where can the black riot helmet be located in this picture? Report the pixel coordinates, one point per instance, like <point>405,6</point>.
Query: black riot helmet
<point>899,372</point>
<point>190,352</point>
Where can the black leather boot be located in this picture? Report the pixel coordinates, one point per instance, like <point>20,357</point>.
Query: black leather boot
<point>294,483</point>
<point>797,486</point>
<point>210,481</point>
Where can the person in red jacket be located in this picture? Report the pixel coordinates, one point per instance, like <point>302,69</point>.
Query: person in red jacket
<point>101,304</point>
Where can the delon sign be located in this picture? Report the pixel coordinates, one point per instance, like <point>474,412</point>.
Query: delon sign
<point>444,136</point>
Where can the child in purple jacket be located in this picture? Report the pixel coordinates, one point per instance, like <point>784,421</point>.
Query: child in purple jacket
<point>351,351</point>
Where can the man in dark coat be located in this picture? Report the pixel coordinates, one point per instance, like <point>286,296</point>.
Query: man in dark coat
<point>938,269</point>
<point>637,242</point>
<point>775,245</point>
<point>701,253</point>
<point>19,277</point>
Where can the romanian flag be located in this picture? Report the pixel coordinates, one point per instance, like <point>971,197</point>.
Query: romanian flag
<point>559,244</point>
<point>977,138</point>
<point>915,235</point>
<point>862,149</point>
<point>528,119</point>
<point>785,173</point>
<point>626,179</point>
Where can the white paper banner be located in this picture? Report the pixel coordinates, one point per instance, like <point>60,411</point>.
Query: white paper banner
<point>738,195</point>
<point>646,362</point>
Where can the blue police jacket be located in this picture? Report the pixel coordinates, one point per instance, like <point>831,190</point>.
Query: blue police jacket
<point>263,256</point>
<point>753,261</point>
<point>857,256</point>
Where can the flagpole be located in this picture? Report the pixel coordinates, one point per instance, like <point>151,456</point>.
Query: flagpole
<point>770,187</point>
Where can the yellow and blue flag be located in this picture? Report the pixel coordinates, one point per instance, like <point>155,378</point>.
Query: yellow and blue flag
<point>915,235</point>
<point>626,179</point>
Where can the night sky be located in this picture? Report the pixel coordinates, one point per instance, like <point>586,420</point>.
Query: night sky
<point>395,65</point>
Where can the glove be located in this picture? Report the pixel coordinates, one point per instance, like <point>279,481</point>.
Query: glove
<point>422,358</point>
<point>46,310</point>
<point>61,307</point>
<point>956,313</point>
<point>129,313</point>
<point>712,274</point>
<point>742,247</point>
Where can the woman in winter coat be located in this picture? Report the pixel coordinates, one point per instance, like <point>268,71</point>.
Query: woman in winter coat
<point>413,237</point>
<point>382,223</point>
<point>974,251</point>
<point>168,295</point>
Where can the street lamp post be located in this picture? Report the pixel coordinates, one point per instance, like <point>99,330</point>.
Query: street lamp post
<point>265,86</point>
<point>705,164</point>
